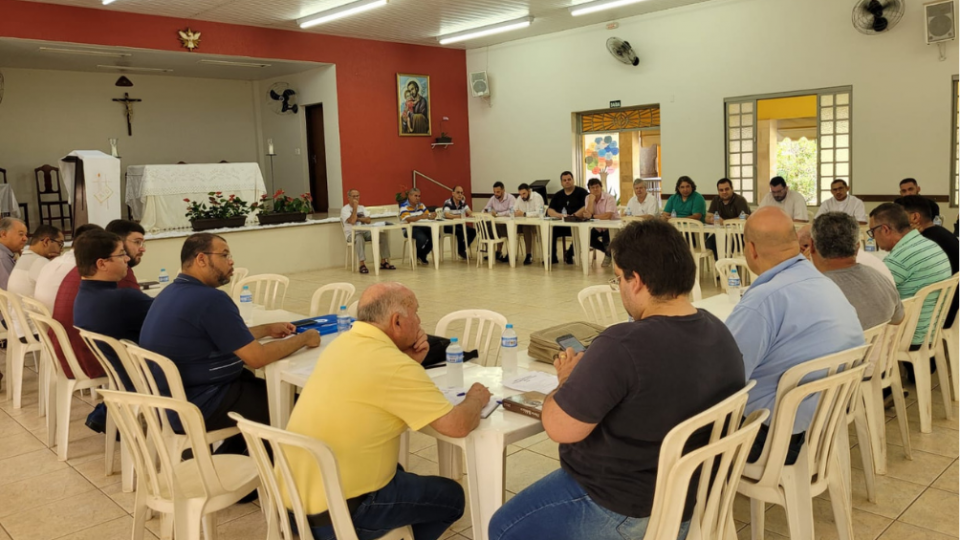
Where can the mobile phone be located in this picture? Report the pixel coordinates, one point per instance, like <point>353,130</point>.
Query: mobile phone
<point>303,322</point>
<point>570,342</point>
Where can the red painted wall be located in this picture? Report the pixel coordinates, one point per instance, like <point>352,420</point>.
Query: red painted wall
<point>374,157</point>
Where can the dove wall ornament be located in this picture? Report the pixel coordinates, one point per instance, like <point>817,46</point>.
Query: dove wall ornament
<point>189,39</point>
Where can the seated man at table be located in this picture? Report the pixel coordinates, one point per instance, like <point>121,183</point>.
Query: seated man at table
<point>13,237</point>
<point>501,204</point>
<point>354,213</point>
<point>617,401</point>
<point>642,204</point>
<point>45,245</point>
<point>52,275</point>
<point>791,314</point>
<point>456,207</point>
<point>805,238</point>
<point>412,211</point>
<point>105,304</point>
<point>529,204</point>
<point>686,202</point>
<point>791,202</point>
<point>909,186</point>
<point>366,390</point>
<point>726,205</point>
<point>842,201</point>
<point>200,329</point>
<point>603,206</point>
<point>133,243</point>
<point>569,201</point>
<point>921,216</point>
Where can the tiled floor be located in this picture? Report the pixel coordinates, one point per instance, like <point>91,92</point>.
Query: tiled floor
<point>43,499</point>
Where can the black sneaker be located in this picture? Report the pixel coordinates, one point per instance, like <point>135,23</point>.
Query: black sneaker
<point>503,258</point>
<point>553,260</point>
<point>95,426</point>
<point>528,260</point>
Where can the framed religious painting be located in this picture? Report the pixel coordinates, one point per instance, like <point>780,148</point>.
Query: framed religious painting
<point>413,102</point>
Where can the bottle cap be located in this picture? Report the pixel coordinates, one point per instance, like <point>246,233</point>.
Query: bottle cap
<point>343,307</point>
<point>453,340</point>
<point>246,287</point>
<point>509,326</point>
<point>163,269</point>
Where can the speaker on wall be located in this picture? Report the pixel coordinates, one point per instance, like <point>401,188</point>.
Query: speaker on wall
<point>480,85</point>
<point>940,21</point>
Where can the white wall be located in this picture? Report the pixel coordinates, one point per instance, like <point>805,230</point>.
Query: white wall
<point>289,132</point>
<point>46,114</point>
<point>692,58</point>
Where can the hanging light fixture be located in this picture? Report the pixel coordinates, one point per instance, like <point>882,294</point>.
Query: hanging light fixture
<point>489,30</point>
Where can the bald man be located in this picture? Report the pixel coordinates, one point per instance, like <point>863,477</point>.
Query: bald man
<point>791,314</point>
<point>864,258</point>
<point>368,388</point>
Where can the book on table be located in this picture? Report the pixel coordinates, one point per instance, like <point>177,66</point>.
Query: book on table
<point>527,403</point>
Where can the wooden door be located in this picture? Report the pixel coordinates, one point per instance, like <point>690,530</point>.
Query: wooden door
<point>317,158</point>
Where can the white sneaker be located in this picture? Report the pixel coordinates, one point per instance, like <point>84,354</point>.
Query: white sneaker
<point>606,261</point>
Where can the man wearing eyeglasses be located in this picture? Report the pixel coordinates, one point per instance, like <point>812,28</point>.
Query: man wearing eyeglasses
<point>133,243</point>
<point>45,245</point>
<point>456,207</point>
<point>200,329</point>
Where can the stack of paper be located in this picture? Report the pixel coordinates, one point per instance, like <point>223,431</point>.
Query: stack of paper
<point>533,381</point>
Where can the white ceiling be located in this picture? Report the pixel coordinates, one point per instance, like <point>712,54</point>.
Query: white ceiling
<point>27,54</point>
<point>403,21</point>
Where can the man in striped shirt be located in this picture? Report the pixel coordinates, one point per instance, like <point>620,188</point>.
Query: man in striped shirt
<point>914,261</point>
<point>411,211</point>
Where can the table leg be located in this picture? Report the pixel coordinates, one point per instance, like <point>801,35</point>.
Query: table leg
<point>486,464</point>
<point>279,394</point>
<point>466,250</point>
<point>375,243</point>
<point>450,459</point>
<point>411,247</point>
<point>583,232</point>
<point>512,243</point>
<point>435,236</point>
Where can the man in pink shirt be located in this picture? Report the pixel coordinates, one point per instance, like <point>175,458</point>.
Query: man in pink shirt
<point>603,206</point>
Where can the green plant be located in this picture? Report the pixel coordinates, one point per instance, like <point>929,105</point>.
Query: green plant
<point>401,195</point>
<point>282,203</point>
<point>797,164</point>
<point>220,207</point>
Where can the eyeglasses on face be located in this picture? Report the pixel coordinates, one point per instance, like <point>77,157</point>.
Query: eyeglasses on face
<point>614,283</point>
<point>226,254</point>
<point>118,256</point>
<point>871,230</point>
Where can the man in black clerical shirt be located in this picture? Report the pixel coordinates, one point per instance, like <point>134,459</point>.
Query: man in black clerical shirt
<point>569,201</point>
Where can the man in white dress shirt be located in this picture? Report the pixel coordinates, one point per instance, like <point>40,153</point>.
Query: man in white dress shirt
<point>354,213</point>
<point>51,275</point>
<point>790,202</point>
<point>842,201</point>
<point>530,203</point>
<point>642,205</point>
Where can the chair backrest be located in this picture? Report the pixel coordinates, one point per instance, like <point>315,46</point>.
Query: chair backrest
<point>486,232</point>
<point>696,293</point>
<point>159,470</point>
<point>96,342</point>
<point>692,231</point>
<point>723,267</point>
<point>266,288</point>
<point>238,274</point>
<point>340,294</point>
<point>598,305</point>
<point>48,180</point>
<point>887,359</point>
<point>724,457</point>
<point>146,365</point>
<point>31,304</point>
<point>835,389</point>
<point>48,330</point>
<point>944,291</point>
<point>481,332</point>
<point>733,228</point>
<point>13,313</point>
<point>352,308</point>
<point>258,436</point>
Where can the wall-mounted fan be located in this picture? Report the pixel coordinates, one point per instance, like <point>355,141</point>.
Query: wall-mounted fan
<point>622,51</point>
<point>876,16</point>
<point>283,99</point>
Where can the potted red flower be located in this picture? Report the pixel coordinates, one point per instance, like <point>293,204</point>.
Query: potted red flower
<point>230,211</point>
<point>282,208</point>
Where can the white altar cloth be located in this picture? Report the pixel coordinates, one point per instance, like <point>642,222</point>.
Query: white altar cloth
<point>155,193</point>
<point>8,202</point>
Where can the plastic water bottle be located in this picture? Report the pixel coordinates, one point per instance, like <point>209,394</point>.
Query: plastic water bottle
<point>673,214</point>
<point>743,215</point>
<point>564,213</point>
<point>716,219</point>
<point>938,221</point>
<point>343,320</point>
<point>164,277</point>
<point>870,245</point>
<point>508,351</point>
<point>733,285</point>
<point>246,304</point>
<point>629,212</point>
<point>454,364</point>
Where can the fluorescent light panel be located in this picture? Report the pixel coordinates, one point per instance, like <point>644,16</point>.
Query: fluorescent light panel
<point>143,69</point>
<point>345,10</point>
<point>233,64</point>
<point>85,52</point>
<point>498,28</point>
<point>106,2</point>
<point>600,5</point>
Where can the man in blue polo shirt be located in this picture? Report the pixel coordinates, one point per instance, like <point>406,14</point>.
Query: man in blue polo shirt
<point>200,329</point>
<point>103,307</point>
<point>791,314</point>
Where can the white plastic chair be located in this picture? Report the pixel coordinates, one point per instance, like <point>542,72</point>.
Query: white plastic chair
<point>46,370</point>
<point>921,358</point>
<point>350,258</point>
<point>193,490</point>
<point>238,274</point>
<point>258,436</point>
<point>485,242</point>
<point>598,305</point>
<point>733,230</point>
<point>352,308</point>
<point>728,448</point>
<point>819,467</point>
<point>723,267</point>
<point>695,235</point>
<point>265,289</point>
<point>340,293</point>
<point>481,331</point>
<point>856,415</point>
<point>17,350</point>
<point>947,350</point>
<point>696,293</point>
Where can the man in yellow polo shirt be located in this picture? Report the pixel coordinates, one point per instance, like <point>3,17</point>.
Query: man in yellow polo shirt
<point>367,389</point>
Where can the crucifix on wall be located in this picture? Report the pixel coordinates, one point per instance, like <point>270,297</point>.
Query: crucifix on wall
<point>128,110</point>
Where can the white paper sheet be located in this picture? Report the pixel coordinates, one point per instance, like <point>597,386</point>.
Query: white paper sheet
<point>457,395</point>
<point>533,381</point>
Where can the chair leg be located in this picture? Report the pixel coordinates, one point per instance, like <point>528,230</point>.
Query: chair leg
<point>798,503</point>
<point>839,500</point>
<point>140,514</point>
<point>43,376</point>
<point>126,469</point>
<point>16,371</point>
<point>949,346</point>
<point>757,510</point>
<point>110,446</point>
<point>209,526</point>
<point>404,456</point>
<point>866,455</point>
<point>64,400</point>
<point>921,370</point>
<point>943,374</point>
<point>52,411</point>
<point>876,426</point>
<point>188,521</point>
<point>900,405</point>
<point>166,526</point>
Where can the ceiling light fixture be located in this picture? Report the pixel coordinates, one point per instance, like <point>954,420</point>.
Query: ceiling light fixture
<point>143,69</point>
<point>345,10</point>
<point>106,2</point>
<point>233,64</point>
<point>506,26</point>
<point>85,52</point>
<point>599,5</point>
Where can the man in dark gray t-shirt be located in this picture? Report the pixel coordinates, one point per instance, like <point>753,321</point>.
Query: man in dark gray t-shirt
<point>836,239</point>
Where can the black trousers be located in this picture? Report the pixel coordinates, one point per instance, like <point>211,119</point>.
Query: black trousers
<point>559,232</point>
<point>246,396</point>
<point>471,235</point>
<point>600,240</point>
<point>793,450</point>
<point>423,242</point>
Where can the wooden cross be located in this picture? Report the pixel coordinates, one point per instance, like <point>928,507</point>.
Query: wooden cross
<point>128,106</point>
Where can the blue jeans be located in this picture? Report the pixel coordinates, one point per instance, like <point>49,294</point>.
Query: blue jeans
<point>430,504</point>
<point>557,508</point>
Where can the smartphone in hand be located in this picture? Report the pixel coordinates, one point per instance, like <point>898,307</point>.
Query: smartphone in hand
<point>568,341</point>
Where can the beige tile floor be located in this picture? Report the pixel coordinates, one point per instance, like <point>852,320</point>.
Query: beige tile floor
<point>43,499</point>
